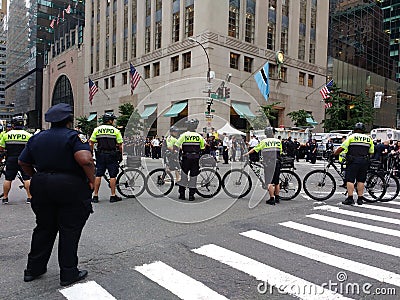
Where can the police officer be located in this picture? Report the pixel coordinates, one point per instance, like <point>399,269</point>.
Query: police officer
<point>14,142</point>
<point>358,146</point>
<point>271,150</point>
<point>171,156</point>
<point>108,139</point>
<point>191,144</point>
<point>61,190</point>
<point>296,149</point>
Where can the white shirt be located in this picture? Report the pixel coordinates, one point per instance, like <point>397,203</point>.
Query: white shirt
<point>155,142</point>
<point>225,142</point>
<point>253,142</point>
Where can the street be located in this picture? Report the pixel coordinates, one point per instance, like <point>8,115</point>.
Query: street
<point>301,248</point>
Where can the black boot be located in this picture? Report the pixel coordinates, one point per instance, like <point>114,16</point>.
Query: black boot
<point>348,201</point>
<point>271,201</point>
<point>277,200</point>
<point>360,200</point>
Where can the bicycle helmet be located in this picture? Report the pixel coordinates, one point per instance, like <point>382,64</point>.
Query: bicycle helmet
<point>269,132</point>
<point>359,127</point>
<point>17,121</point>
<point>174,129</point>
<point>192,124</point>
<point>109,116</point>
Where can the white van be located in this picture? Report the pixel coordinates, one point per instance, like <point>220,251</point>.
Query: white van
<point>385,134</point>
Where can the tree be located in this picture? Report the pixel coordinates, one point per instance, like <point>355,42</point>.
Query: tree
<point>128,112</point>
<point>299,117</point>
<point>347,111</point>
<point>264,116</point>
<point>86,126</point>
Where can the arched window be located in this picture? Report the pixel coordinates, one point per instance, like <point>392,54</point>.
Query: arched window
<point>63,92</point>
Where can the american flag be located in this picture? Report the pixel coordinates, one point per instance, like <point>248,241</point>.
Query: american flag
<point>58,19</point>
<point>93,89</point>
<point>328,105</point>
<point>68,9</point>
<point>135,77</point>
<point>52,24</point>
<point>325,90</point>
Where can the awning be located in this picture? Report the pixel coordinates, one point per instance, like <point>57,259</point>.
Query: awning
<point>92,116</point>
<point>311,121</point>
<point>243,109</point>
<point>148,111</point>
<point>176,109</point>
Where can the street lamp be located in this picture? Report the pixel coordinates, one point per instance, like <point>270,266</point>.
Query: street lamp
<point>208,59</point>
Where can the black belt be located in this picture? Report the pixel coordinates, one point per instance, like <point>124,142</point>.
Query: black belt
<point>107,151</point>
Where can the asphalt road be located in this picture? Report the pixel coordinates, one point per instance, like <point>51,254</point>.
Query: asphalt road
<point>297,247</point>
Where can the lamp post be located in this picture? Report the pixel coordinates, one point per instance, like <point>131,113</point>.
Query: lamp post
<point>208,59</point>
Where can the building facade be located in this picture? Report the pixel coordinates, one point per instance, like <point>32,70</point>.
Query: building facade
<point>161,39</point>
<point>4,110</point>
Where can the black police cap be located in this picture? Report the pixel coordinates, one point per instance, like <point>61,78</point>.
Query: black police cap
<point>58,113</point>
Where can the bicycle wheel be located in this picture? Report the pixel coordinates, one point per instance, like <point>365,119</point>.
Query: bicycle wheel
<point>131,183</point>
<point>290,185</point>
<point>160,182</point>
<point>208,183</point>
<point>375,187</point>
<point>392,188</point>
<point>236,183</point>
<point>319,185</point>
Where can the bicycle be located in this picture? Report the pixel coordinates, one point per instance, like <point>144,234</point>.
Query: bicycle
<point>160,181</point>
<point>290,183</point>
<point>320,185</point>
<point>131,182</point>
<point>3,177</point>
<point>391,181</point>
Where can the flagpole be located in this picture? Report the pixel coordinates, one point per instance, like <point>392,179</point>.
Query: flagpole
<point>108,97</point>
<point>252,74</point>
<point>317,89</point>
<point>146,84</point>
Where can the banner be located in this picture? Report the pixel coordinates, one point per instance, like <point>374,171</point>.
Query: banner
<point>378,99</point>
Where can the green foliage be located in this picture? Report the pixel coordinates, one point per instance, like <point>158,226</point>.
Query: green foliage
<point>264,116</point>
<point>299,117</point>
<point>86,126</point>
<point>128,112</point>
<point>345,112</point>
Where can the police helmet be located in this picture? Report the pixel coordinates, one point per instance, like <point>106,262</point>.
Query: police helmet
<point>108,116</point>
<point>359,127</point>
<point>269,132</point>
<point>173,129</point>
<point>17,121</point>
<point>192,124</point>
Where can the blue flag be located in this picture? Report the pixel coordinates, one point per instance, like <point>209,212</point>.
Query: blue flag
<point>262,79</point>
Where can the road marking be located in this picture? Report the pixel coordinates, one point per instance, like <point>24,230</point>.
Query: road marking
<point>176,282</point>
<point>393,202</point>
<point>357,214</point>
<point>344,238</point>
<point>382,208</point>
<point>362,226</point>
<point>284,282</point>
<point>329,259</point>
<point>90,290</point>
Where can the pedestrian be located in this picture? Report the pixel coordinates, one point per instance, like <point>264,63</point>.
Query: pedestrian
<point>225,146</point>
<point>233,145</point>
<point>313,151</point>
<point>271,149</point>
<point>108,154</point>
<point>254,156</point>
<point>155,144</point>
<point>62,169</point>
<point>359,147</point>
<point>290,147</point>
<point>13,142</point>
<point>191,144</point>
<point>297,146</point>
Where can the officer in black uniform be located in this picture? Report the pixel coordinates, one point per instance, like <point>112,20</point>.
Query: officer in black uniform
<point>191,143</point>
<point>61,188</point>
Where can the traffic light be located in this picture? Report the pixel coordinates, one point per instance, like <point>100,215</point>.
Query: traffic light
<point>227,92</point>
<point>209,109</point>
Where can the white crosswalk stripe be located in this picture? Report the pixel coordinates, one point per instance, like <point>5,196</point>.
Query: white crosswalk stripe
<point>86,291</point>
<point>382,208</point>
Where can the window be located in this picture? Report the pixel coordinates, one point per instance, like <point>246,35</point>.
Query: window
<point>187,60</point>
<point>302,78</point>
<point>302,47</point>
<point>124,78</point>
<point>146,71</point>
<point>105,83</point>
<point>174,63</point>
<point>250,21</point>
<point>112,79</point>
<point>310,81</point>
<point>147,40</point>
<point>189,20</point>
<point>158,35</point>
<point>175,27</point>
<point>283,74</point>
<point>284,40</point>
<point>234,61</point>
<point>248,64</point>
<point>234,16</point>
<point>156,69</point>
<point>271,36</point>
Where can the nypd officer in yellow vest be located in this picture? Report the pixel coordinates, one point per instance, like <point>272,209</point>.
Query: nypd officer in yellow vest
<point>191,144</point>
<point>108,139</point>
<point>271,150</point>
<point>172,157</point>
<point>359,146</point>
<point>14,142</point>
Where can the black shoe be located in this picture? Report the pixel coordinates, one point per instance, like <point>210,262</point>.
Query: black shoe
<point>115,198</point>
<point>348,201</point>
<point>277,200</point>
<point>271,201</point>
<point>81,275</point>
<point>182,197</point>
<point>360,200</point>
<point>29,276</point>
<point>5,200</point>
<point>28,200</point>
<point>95,199</point>
<point>191,198</point>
